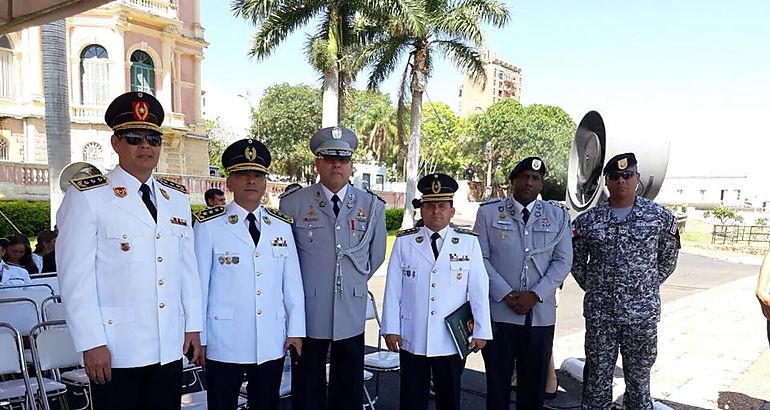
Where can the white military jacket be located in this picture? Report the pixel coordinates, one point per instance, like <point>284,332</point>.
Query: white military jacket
<point>253,296</point>
<point>127,282</point>
<point>420,290</point>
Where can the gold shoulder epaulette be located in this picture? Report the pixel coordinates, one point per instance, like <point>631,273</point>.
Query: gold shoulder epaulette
<point>491,201</point>
<point>375,195</point>
<point>409,231</point>
<point>280,215</point>
<point>173,185</point>
<point>84,184</point>
<point>466,231</point>
<point>209,213</point>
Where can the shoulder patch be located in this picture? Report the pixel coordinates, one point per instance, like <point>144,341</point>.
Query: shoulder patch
<point>409,231</point>
<point>209,213</point>
<point>173,185</point>
<point>557,203</point>
<point>84,184</point>
<point>491,201</point>
<point>375,195</point>
<point>466,231</point>
<point>280,215</point>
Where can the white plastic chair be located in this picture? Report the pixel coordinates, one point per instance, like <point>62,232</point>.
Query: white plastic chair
<point>381,361</point>
<point>16,391</point>
<point>198,401</point>
<point>52,309</point>
<point>52,349</point>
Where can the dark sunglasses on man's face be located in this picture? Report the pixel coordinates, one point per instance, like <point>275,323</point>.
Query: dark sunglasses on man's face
<point>135,138</point>
<point>614,176</point>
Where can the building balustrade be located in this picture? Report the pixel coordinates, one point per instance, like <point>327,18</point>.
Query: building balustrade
<point>162,8</point>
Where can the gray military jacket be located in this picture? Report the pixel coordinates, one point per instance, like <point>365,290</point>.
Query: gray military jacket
<point>540,252</point>
<point>621,264</point>
<point>336,256</point>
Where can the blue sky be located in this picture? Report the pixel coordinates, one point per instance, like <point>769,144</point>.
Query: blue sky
<point>692,73</point>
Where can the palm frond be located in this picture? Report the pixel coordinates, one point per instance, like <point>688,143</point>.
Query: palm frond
<point>465,57</point>
<point>384,59</point>
<point>278,26</point>
<point>409,14</point>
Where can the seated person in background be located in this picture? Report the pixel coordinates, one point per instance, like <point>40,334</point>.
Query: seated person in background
<point>19,253</point>
<point>11,275</point>
<point>46,241</point>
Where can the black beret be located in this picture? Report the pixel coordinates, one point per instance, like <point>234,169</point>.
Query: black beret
<point>620,163</point>
<point>246,155</point>
<point>528,164</point>
<point>134,110</point>
<point>334,142</point>
<point>436,187</point>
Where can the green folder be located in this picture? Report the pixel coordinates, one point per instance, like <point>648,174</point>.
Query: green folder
<point>460,325</point>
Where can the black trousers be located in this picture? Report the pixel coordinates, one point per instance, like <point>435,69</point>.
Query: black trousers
<point>415,381</point>
<point>526,349</point>
<point>224,384</point>
<point>346,376</point>
<point>152,387</point>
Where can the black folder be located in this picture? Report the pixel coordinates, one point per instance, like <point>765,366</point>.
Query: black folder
<point>460,325</point>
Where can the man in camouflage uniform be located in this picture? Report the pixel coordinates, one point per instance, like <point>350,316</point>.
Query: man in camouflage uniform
<point>624,249</point>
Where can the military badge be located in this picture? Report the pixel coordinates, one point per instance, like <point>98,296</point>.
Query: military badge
<point>459,275</point>
<point>228,259</point>
<point>501,216</point>
<point>140,109</point>
<point>537,214</point>
<point>233,219</point>
<point>266,220</point>
<point>419,239</point>
<point>125,246</point>
<point>221,260</point>
<point>311,215</point>
<point>178,221</point>
<point>317,194</point>
<point>236,260</point>
<point>164,193</point>
<point>361,216</point>
<point>120,191</point>
<point>350,205</point>
<point>503,235</point>
<point>250,153</point>
<point>336,133</point>
<point>536,164</point>
<point>279,241</point>
<point>436,186</point>
<point>455,240</point>
<point>622,164</point>
<point>322,204</point>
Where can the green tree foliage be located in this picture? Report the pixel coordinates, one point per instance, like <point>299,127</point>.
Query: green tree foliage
<point>442,148</point>
<point>218,140</point>
<point>373,118</point>
<point>725,215</point>
<point>288,116</point>
<point>518,132</point>
<point>30,217</point>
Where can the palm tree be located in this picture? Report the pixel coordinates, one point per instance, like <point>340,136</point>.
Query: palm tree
<point>343,23</point>
<point>451,28</point>
<point>57,109</point>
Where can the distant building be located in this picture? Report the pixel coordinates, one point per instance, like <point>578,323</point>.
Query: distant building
<point>503,81</point>
<point>151,46</point>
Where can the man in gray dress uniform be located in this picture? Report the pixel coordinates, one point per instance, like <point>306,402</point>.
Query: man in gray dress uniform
<point>527,249</point>
<point>340,235</point>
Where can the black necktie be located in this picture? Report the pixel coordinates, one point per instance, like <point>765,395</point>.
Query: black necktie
<point>253,228</point>
<point>525,215</point>
<point>147,199</point>
<point>336,206</point>
<point>433,245</point>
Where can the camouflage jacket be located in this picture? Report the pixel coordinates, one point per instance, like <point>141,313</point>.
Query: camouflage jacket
<point>621,264</point>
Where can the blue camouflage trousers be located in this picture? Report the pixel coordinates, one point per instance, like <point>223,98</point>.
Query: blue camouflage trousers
<point>638,345</point>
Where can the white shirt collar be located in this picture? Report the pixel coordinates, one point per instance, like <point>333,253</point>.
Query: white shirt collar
<point>519,207</point>
<point>341,193</point>
<point>442,232</point>
<point>242,213</point>
<point>132,183</point>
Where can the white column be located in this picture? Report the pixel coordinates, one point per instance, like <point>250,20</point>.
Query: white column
<point>197,92</point>
<point>164,70</point>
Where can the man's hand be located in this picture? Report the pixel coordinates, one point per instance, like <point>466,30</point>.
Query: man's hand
<point>294,341</point>
<point>393,342</point>
<point>510,299</point>
<point>764,302</point>
<point>523,302</point>
<point>98,363</point>
<point>477,344</point>
<point>192,348</point>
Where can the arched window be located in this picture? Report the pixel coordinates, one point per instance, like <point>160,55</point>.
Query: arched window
<point>93,153</point>
<point>7,69</point>
<point>94,75</point>
<point>142,72</point>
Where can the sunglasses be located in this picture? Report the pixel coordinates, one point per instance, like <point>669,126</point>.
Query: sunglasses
<point>135,138</point>
<point>614,176</point>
